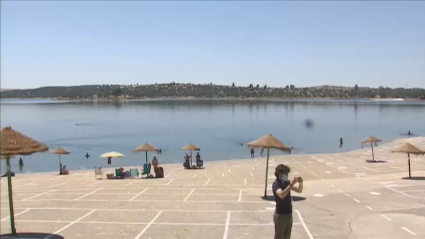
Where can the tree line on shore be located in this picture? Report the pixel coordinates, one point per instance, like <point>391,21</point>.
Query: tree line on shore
<point>178,90</point>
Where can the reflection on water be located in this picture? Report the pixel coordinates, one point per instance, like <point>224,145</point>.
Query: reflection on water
<point>217,126</point>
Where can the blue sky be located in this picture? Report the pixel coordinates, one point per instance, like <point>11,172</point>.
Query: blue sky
<point>274,43</point>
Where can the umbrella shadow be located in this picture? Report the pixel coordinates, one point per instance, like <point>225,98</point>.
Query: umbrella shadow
<point>376,161</point>
<point>294,198</point>
<point>32,235</point>
<point>413,178</point>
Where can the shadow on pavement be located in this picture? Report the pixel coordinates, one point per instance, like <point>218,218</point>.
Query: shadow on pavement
<point>413,178</point>
<point>376,161</point>
<point>30,235</point>
<point>294,198</point>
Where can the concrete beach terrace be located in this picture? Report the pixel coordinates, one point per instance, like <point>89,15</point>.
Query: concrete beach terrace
<point>344,197</point>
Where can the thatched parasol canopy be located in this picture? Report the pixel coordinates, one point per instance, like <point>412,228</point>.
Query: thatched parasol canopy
<point>145,148</point>
<point>112,154</point>
<point>371,139</point>
<point>190,147</point>
<point>409,148</point>
<point>59,151</point>
<point>15,143</point>
<point>269,142</point>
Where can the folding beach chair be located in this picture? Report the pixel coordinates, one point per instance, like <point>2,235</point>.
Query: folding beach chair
<point>98,172</point>
<point>118,173</point>
<point>134,173</point>
<point>146,169</point>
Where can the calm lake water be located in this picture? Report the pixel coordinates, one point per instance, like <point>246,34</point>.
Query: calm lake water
<point>218,127</point>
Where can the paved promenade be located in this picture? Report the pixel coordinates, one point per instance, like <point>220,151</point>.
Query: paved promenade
<point>344,197</point>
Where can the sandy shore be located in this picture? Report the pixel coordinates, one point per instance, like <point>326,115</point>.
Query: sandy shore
<point>344,197</point>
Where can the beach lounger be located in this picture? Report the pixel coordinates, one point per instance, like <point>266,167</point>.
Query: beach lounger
<point>146,169</point>
<point>118,173</point>
<point>98,172</point>
<point>134,173</point>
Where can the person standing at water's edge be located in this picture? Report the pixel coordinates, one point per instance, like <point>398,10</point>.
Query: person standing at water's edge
<point>252,153</point>
<point>282,187</point>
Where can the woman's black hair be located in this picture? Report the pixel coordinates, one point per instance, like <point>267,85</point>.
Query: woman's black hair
<point>281,169</point>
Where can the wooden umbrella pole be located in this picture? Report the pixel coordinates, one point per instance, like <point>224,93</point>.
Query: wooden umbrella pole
<point>408,160</point>
<point>9,184</point>
<point>267,173</point>
<point>60,164</point>
<point>146,156</point>
<point>190,158</point>
<point>373,156</point>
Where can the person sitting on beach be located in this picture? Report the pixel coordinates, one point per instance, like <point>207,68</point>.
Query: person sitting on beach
<point>64,170</point>
<point>186,163</point>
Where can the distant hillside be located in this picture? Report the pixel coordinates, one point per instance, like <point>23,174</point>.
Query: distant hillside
<point>176,90</point>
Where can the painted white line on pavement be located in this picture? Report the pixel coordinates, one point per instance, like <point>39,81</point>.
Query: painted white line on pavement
<point>16,214</point>
<point>188,195</point>
<point>339,190</point>
<point>407,230</point>
<point>405,194</point>
<point>240,195</point>
<point>169,182</point>
<point>375,193</point>
<point>37,195</point>
<point>304,225</point>
<point>131,183</point>
<point>131,199</point>
<point>244,181</point>
<point>357,201</point>
<point>207,181</point>
<point>226,228</point>
<point>389,219</point>
<point>85,195</point>
<point>194,175</point>
<point>147,226</point>
<point>72,223</point>
<point>251,174</point>
<point>369,208</point>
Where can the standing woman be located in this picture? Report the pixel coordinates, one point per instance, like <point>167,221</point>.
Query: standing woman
<point>282,188</point>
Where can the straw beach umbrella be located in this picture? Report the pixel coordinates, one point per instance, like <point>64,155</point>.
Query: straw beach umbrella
<point>145,148</point>
<point>111,155</point>
<point>191,147</point>
<point>15,143</point>
<point>60,151</point>
<point>371,140</point>
<point>268,142</point>
<point>409,149</point>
